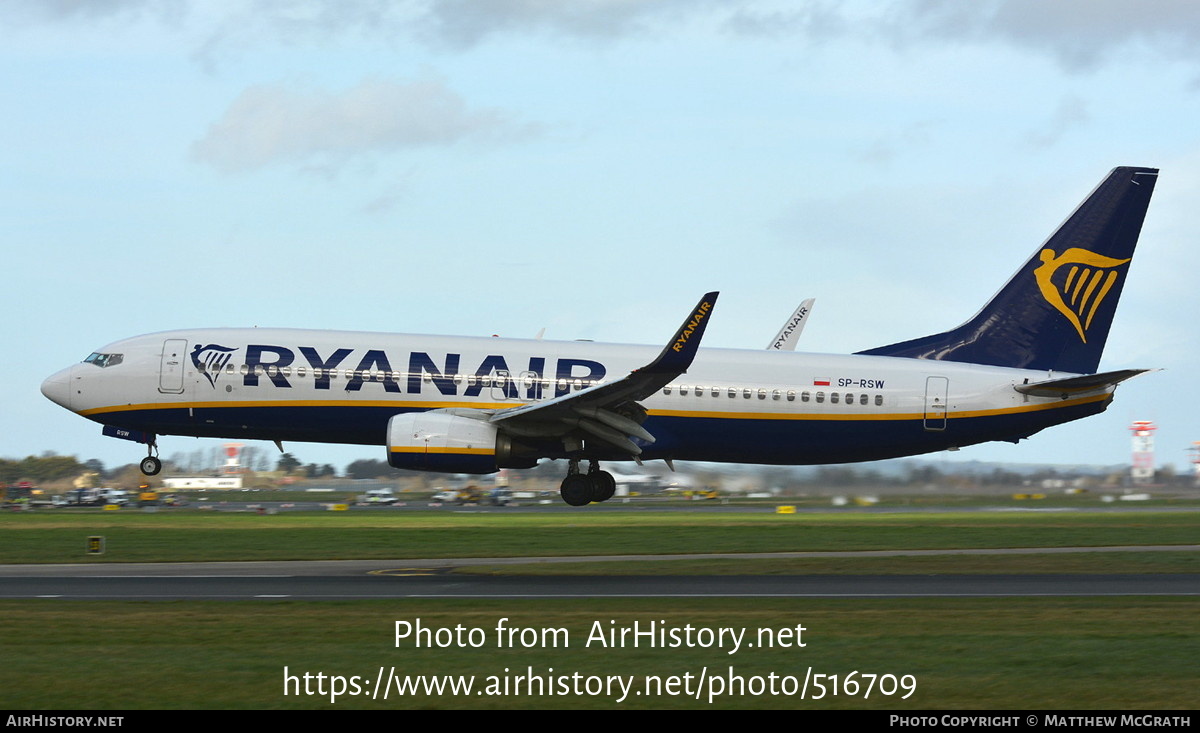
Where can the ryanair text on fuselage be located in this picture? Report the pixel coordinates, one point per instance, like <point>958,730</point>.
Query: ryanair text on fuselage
<point>269,364</point>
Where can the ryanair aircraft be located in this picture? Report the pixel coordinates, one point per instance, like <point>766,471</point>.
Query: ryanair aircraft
<point>1027,361</point>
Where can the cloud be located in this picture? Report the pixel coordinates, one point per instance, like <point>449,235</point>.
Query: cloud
<point>271,124</point>
<point>463,23</point>
<point>816,21</point>
<point>884,149</point>
<point>1081,34</point>
<point>1072,112</point>
<point>458,24</point>
<point>54,11</point>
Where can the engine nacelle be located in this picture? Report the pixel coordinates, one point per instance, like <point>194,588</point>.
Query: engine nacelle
<point>441,441</point>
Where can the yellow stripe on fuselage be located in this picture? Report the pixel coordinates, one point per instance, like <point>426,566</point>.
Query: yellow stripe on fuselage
<point>880,416</point>
<point>841,416</point>
<point>295,403</point>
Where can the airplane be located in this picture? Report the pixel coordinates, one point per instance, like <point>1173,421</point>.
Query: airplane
<point>1028,360</point>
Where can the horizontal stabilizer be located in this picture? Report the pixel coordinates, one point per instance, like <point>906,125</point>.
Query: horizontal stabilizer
<point>1071,386</point>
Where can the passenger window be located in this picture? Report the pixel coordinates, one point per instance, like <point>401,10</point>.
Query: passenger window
<point>804,396</point>
<point>775,394</point>
<point>762,394</point>
<point>820,396</point>
<point>791,395</point>
<point>862,399</point>
<point>833,398</point>
<point>878,399</point>
<point>699,391</point>
<point>733,391</point>
<point>683,389</point>
<point>667,389</point>
<point>746,393</point>
<point>300,372</point>
<point>716,392</point>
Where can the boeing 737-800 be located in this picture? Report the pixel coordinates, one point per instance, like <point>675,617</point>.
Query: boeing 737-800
<point>1026,361</point>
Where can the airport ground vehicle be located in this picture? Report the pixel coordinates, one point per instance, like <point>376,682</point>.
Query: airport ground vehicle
<point>383,496</point>
<point>147,496</point>
<point>19,496</point>
<point>500,496</point>
<point>80,497</point>
<point>469,494</point>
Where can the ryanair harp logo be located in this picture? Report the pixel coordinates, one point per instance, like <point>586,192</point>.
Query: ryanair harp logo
<point>210,360</point>
<point>1076,283</point>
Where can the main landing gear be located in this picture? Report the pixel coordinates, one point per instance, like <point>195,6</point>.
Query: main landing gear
<point>579,489</point>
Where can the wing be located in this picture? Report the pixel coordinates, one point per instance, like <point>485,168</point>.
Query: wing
<point>610,412</point>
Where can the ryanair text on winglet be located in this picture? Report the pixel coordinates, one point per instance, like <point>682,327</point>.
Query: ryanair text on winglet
<point>693,324</point>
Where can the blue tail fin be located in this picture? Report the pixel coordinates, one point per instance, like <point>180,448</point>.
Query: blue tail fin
<point>1054,314</point>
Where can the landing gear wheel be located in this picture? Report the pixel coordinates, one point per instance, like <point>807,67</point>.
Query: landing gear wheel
<point>151,466</point>
<point>576,489</point>
<point>603,485</point>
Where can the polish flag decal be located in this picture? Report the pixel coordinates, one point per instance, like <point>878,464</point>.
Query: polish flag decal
<point>821,382</point>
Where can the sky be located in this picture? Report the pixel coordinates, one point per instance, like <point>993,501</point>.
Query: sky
<point>587,167</point>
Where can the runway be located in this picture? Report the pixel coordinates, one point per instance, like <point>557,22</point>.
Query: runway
<point>436,578</point>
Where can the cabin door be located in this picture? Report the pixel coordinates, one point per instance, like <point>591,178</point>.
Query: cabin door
<point>170,375</point>
<point>936,392</point>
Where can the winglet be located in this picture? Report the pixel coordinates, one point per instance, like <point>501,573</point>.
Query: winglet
<point>786,339</point>
<point>677,356</point>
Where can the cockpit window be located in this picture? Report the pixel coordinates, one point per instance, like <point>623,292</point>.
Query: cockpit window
<point>104,360</point>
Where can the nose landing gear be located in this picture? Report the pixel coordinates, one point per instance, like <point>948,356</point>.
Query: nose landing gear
<point>151,465</point>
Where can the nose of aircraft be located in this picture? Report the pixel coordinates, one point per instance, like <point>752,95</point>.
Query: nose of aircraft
<point>57,388</point>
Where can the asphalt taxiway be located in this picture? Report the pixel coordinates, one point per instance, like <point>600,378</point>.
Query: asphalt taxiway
<point>436,578</point>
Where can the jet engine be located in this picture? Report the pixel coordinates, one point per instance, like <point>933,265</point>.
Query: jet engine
<point>444,441</point>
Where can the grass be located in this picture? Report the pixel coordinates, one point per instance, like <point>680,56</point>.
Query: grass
<point>1078,654</point>
<point>963,653</point>
<point>132,536</point>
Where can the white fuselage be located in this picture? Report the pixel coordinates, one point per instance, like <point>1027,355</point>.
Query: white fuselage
<point>732,405</point>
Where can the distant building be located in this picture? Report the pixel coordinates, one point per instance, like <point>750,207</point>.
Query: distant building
<point>202,482</point>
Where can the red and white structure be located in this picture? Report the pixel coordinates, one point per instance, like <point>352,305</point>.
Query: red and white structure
<point>232,450</point>
<point>1142,471</point>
